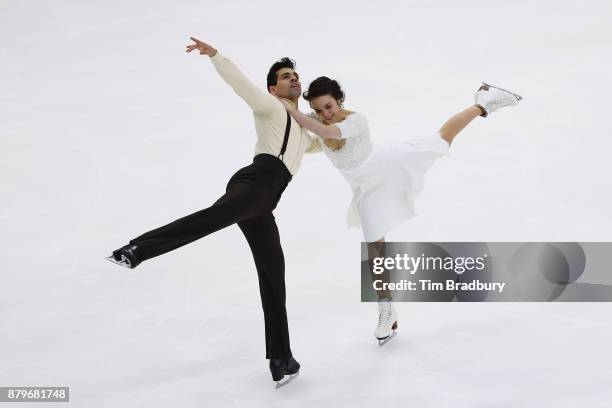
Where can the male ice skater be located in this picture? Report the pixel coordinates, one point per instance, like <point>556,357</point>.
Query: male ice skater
<point>251,196</point>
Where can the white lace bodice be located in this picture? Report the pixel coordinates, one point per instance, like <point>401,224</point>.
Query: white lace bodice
<point>357,146</point>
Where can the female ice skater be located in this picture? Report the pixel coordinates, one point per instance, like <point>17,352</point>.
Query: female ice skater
<point>385,180</point>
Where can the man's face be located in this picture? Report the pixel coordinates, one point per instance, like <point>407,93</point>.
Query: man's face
<point>288,84</point>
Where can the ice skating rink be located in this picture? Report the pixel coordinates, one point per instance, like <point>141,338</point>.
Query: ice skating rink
<point>109,129</point>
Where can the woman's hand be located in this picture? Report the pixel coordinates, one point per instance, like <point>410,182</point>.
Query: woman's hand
<point>202,47</point>
<point>288,106</point>
<point>322,130</point>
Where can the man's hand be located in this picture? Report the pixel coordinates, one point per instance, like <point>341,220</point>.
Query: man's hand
<point>202,47</point>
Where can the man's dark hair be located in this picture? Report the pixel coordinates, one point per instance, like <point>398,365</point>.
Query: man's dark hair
<point>285,62</point>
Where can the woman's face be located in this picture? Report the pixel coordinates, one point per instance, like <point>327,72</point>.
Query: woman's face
<point>326,108</point>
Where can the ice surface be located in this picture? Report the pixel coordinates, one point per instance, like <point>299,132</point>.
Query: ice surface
<point>109,129</point>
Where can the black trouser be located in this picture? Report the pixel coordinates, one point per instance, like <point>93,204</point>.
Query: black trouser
<point>251,195</point>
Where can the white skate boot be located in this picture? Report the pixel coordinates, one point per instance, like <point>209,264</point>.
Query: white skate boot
<point>387,322</point>
<point>490,98</point>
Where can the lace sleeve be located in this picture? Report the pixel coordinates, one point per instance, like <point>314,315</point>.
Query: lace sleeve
<point>353,126</point>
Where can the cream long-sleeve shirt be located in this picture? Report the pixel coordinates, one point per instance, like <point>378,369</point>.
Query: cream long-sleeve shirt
<point>270,118</point>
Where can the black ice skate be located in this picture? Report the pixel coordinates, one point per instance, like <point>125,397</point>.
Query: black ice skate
<point>281,368</point>
<point>125,256</point>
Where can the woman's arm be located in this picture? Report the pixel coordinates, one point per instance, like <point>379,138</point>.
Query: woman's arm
<point>316,127</point>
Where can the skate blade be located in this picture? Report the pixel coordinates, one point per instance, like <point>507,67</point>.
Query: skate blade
<point>286,380</point>
<point>517,96</point>
<point>124,261</point>
<point>382,342</point>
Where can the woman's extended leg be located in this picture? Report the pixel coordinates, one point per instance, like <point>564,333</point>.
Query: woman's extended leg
<point>457,123</point>
<point>376,249</point>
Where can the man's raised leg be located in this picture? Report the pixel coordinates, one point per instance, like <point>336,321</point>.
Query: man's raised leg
<point>241,201</point>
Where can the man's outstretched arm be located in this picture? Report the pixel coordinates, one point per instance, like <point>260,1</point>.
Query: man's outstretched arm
<point>260,101</point>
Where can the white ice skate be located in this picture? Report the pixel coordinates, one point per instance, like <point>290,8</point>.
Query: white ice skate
<point>387,322</point>
<point>491,98</point>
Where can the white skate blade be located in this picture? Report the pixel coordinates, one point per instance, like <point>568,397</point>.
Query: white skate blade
<point>124,261</point>
<point>517,96</point>
<point>286,380</point>
<point>382,342</point>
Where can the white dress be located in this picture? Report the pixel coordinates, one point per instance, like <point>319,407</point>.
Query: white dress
<point>385,180</point>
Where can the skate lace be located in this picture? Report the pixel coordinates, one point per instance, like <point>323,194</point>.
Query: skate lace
<point>384,316</point>
<point>500,98</point>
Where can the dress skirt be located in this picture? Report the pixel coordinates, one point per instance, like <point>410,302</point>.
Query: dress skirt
<point>387,183</point>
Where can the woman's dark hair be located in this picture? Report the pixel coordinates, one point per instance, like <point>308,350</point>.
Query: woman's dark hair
<point>285,62</point>
<point>324,86</point>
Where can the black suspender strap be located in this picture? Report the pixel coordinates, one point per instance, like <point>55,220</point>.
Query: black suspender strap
<point>286,139</point>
